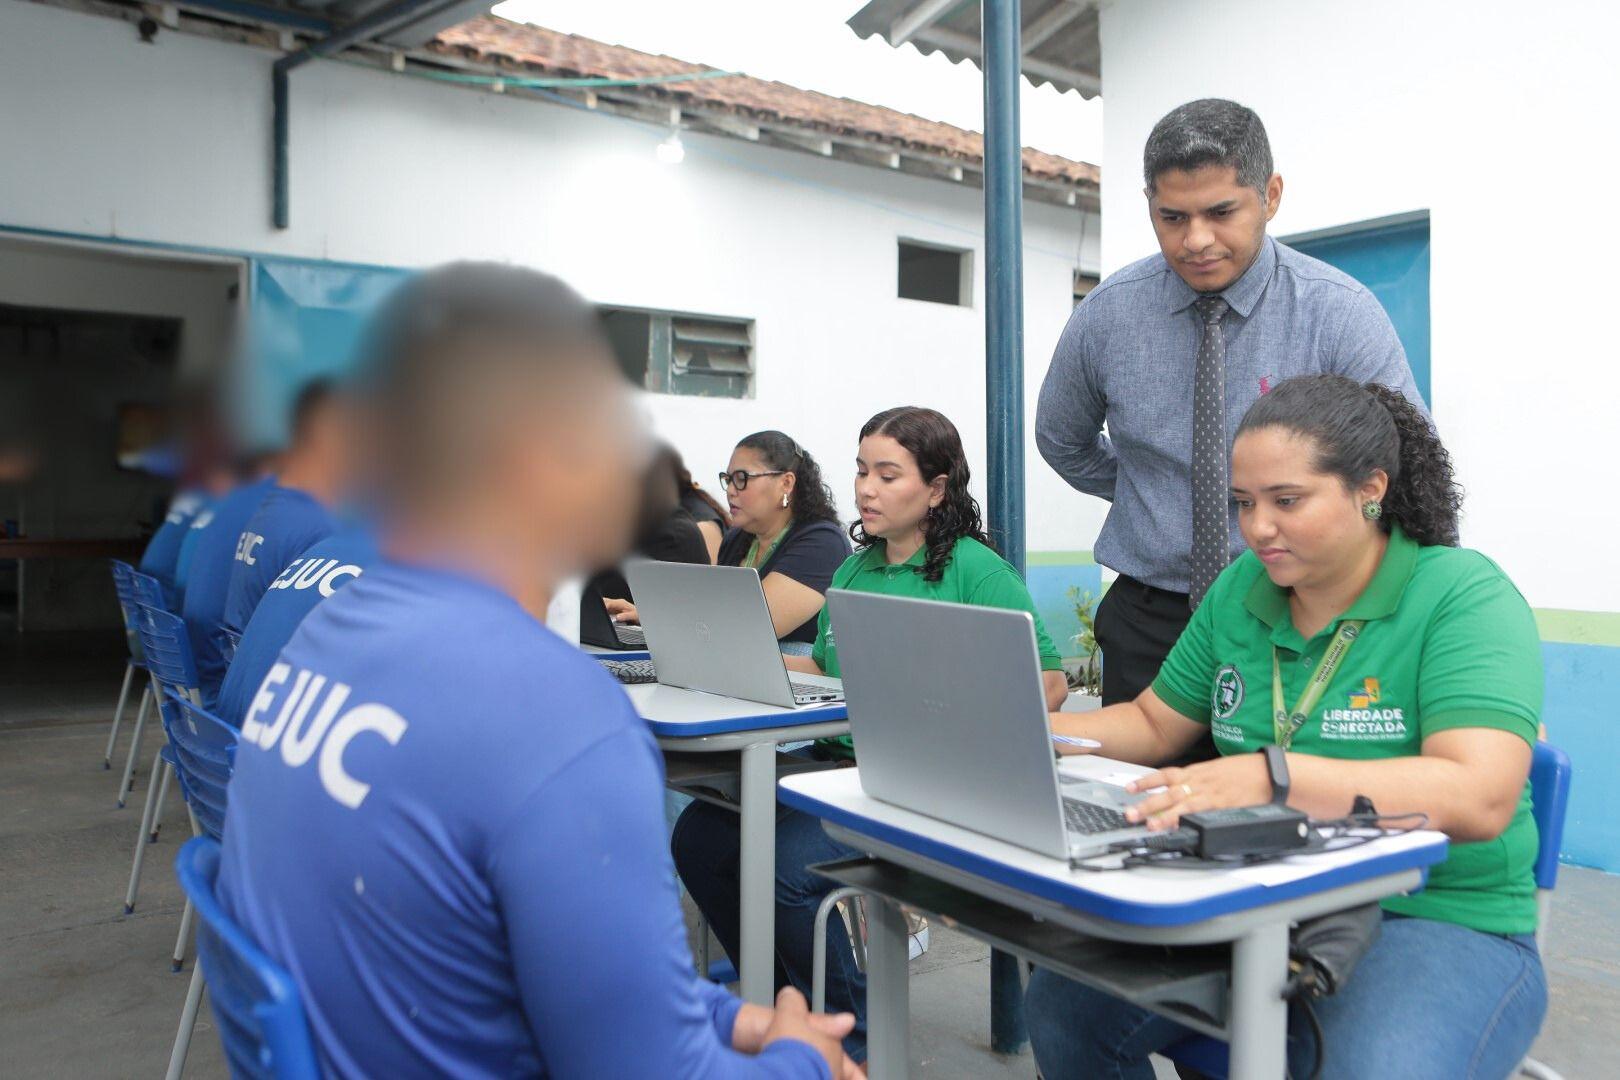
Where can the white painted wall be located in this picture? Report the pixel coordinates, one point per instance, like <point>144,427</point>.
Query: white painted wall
<point>1498,119</point>
<point>169,142</point>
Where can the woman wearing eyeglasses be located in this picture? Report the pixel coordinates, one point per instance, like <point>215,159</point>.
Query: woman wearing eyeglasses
<point>784,525</point>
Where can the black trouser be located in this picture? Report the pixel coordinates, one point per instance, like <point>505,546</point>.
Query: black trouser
<point>1136,625</point>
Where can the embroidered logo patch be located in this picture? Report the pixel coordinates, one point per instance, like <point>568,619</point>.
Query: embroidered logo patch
<point>1227,696</point>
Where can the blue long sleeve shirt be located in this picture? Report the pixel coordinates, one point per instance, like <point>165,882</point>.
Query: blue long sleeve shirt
<point>447,823</point>
<point>212,548</point>
<point>286,522</point>
<point>323,568</point>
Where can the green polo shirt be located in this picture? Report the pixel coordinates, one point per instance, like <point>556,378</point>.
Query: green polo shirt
<point>1448,643</point>
<point>974,575</point>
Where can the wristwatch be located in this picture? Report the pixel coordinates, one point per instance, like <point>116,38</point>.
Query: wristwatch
<point>1277,766</point>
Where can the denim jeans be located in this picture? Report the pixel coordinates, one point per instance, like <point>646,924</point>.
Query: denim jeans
<point>707,849</point>
<point>1429,1001</point>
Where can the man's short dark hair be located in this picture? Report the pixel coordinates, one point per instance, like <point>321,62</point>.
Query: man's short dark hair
<point>458,344</point>
<point>311,397</point>
<point>1210,131</point>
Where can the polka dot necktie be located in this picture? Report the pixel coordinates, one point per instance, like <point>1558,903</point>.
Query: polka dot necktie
<point>1211,486</point>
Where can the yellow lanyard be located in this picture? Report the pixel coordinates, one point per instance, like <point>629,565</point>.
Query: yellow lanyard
<point>1284,723</point>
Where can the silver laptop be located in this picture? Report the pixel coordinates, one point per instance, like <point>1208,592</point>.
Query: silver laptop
<point>949,719</point>
<point>708,628</point>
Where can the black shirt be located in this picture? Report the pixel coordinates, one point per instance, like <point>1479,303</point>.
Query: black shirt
<point>699,508</point>
<point>808,554</point>
<point>676,540</point>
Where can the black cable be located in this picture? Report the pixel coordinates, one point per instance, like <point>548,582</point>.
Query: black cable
<point>1173,850</point>
<point>1316,1032</point>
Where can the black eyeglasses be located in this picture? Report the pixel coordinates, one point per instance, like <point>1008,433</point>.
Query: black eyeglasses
<point>740,478</point>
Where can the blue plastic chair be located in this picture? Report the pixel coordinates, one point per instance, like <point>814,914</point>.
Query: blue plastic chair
<point>202,754</point>
<point>1549,800</point>
<point>123,576</point>
<point>169,662</point>
<point>139,589</point>
<point>257,1006</point>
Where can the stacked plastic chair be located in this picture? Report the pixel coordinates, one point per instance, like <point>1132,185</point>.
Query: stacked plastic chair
<point>256,1004</point>
<point>123,576</point>
<point>167,649</point>
<point>202,753</point>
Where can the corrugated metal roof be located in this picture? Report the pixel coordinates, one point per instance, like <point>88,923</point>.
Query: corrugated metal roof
<point>1060,36</point>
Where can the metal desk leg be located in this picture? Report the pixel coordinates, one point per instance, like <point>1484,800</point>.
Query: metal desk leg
<point>888,992</point>
<point>757,965</point>
<point>1259,1013</point>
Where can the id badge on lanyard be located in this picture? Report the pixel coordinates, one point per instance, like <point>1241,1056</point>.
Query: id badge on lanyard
<point>1284,723</point>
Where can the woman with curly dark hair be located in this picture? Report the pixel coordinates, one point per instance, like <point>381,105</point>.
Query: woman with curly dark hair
<point>1361,652</point>
<point>921,536</point>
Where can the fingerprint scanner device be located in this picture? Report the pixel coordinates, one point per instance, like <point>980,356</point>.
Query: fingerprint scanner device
<point>1247,830</point>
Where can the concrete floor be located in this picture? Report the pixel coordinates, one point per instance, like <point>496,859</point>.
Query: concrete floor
<point>86,991</point>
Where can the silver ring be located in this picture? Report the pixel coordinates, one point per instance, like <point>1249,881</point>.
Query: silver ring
<point>1186,791</point>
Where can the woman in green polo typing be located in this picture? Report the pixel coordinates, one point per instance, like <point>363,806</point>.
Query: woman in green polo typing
<point>1374,657</point>
<point>919,535</point>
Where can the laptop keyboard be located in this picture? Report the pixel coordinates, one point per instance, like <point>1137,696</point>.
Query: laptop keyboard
<point>629,634</point>
<point>1087,818</point>
<point>631,671</point>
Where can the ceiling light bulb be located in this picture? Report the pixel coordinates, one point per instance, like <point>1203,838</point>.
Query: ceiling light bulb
<point>670,151</point>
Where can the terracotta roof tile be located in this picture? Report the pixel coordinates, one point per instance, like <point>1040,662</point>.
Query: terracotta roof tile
<point>489,38</point>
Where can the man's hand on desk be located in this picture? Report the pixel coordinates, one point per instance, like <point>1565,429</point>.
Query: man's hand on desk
<point>1240,780</point>
<point>757,1027</point>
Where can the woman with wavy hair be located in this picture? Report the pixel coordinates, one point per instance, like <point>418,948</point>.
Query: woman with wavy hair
<point>920,535</point>
<point>1354,650</point>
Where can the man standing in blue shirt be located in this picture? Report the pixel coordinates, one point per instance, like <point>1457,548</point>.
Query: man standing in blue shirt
<point>297,511</point>
<point>1170,352</point>
<point>324,567</point>
<point>208,573</point>
<point>446,821</point>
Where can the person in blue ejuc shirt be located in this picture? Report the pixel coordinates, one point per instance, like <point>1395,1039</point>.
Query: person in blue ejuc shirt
<point>324,567</point>
<point>445,819</point>
<point>212,548</point>
<point>311,479</point>
<point>163,550</point>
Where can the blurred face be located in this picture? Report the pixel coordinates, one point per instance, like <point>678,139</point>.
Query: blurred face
<point>1209,226</point>
<point>757,508</point>
<point>1306,526</point>
<point>332,440</point>
<point>580,476</point>
<point>890,491</point>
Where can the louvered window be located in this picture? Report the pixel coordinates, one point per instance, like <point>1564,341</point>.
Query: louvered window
<point>677,353</point>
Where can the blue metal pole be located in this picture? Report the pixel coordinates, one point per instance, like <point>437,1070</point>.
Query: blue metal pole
<point>1002,22</point>
<point>280,120</point>
<point>1004,277</point>
<point>383,21</point>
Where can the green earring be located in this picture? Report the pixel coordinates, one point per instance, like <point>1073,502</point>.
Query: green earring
<point>1372,509</point>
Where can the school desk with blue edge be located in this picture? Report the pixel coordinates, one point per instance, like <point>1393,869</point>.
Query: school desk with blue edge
<point>598,653</point>
<point>742,737</point>
<point>1228,929</point>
